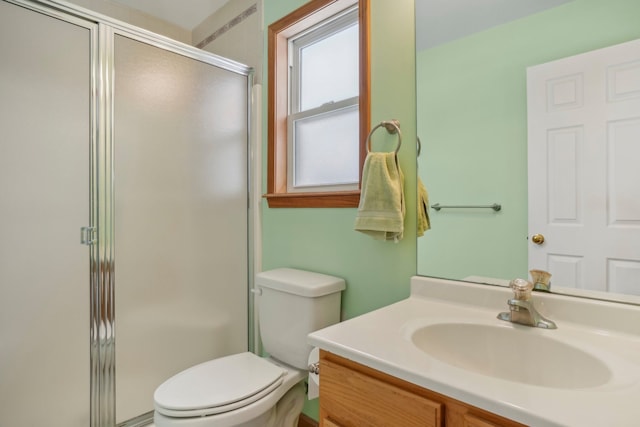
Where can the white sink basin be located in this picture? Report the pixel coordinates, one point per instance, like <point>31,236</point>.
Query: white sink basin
<point>445,337</point>
<point>513,354</point>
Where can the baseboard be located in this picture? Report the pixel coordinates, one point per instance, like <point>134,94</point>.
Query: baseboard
<point>305,421</point>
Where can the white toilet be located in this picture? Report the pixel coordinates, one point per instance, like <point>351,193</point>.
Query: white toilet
<point>244,390</point>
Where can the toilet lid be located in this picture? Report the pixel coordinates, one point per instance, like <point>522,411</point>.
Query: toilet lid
<point>226,383</point>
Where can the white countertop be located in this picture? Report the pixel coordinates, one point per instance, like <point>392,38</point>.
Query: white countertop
<point>381,340</point>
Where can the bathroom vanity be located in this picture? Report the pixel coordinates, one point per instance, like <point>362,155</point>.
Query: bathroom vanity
<point>354,395</point>
<point>443,358</point>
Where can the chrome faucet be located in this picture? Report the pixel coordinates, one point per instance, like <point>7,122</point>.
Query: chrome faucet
<point>521,309</point>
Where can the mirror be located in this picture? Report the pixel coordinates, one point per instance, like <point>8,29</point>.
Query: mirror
<point>472,59</point>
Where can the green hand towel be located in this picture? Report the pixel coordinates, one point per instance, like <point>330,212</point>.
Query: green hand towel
<point>423,209</point>
<point>381,210</point>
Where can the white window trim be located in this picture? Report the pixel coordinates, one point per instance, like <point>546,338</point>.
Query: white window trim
<point>323,30</point>
<point>342,21</point>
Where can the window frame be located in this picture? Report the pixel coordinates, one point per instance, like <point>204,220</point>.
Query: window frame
<point>303,18</point>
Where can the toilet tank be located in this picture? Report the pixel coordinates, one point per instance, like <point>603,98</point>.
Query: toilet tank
<point>292,304</point>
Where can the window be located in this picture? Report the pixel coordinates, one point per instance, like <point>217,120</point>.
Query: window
<point>322,127</point>
<point>318,104</point>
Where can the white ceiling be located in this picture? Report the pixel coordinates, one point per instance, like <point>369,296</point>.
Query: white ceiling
<point>438,21</point>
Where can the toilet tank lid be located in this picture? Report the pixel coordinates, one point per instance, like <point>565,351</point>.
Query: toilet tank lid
<point>300,282</point>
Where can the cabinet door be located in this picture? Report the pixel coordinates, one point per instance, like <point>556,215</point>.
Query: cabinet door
<point>472,421</point>
<point>354,399</point>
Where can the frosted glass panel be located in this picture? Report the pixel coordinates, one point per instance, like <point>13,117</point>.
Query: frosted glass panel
<point>180,219</point>
<point>329,69</point>
<point>45,137</point>
<point>327,149</point>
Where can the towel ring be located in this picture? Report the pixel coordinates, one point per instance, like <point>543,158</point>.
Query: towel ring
<point>392,127</point>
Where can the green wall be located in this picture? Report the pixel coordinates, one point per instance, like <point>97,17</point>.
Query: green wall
<point>323,240</point>
<point>472,122</point>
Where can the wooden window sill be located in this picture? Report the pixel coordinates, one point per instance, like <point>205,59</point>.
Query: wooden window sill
<point>342,199</point>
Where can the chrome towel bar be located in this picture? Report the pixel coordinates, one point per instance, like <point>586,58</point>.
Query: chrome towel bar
<point>496,207</point>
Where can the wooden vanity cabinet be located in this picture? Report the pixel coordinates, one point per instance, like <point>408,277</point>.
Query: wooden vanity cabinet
<point>353,395</point>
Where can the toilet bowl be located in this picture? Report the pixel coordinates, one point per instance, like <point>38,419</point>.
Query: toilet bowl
<point>242,390</point>
<point>245,390</point>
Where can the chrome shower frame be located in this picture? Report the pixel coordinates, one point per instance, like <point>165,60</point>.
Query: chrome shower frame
<point>101,188</point>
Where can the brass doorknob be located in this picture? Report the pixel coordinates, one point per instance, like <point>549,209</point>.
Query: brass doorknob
<point>538,239</point>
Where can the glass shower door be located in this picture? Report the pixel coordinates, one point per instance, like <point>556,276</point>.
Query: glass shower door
<point>180,185</point>
<point>45,140</point>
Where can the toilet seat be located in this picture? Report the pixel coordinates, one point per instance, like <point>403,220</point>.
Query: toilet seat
<point>218,386</point>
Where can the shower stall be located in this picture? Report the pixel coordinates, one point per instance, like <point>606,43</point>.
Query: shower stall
<point>124,217</point>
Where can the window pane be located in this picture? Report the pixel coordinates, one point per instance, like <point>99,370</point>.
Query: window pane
<point>329,69</point>
<point>326,149</point>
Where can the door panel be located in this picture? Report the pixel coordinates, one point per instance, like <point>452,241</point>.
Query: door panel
<point>180,138</point>
<point>45,142</point>
<point>584,182</point>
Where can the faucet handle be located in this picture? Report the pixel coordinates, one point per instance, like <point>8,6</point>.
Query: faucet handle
<point>522,289</point>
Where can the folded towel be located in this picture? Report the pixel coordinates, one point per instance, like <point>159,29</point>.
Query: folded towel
<point>381,210</point>
<point>423,209</point>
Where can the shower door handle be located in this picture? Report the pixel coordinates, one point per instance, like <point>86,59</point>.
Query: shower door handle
<point>88,236</point>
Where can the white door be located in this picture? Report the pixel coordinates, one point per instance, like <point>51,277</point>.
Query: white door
<point>584,169</point>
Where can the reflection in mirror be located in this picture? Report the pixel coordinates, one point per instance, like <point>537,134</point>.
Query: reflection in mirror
<point>475,124</point>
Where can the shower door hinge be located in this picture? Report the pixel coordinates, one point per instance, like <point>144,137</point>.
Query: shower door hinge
<point>88,236</point>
